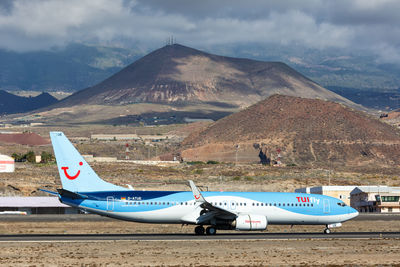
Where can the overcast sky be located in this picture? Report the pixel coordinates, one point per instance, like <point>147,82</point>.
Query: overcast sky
<point>371,25</point>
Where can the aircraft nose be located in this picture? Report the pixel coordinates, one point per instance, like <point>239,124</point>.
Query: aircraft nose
<point>353,212</point>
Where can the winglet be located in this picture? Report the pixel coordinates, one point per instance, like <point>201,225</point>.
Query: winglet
<point>196,193</point>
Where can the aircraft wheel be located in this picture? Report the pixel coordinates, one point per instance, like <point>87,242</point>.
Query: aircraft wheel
<point>211,230</point>
<point>327,231</point>
<point>199,230</point>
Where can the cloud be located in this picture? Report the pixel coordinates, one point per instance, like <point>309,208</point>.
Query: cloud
<point>319,24</point>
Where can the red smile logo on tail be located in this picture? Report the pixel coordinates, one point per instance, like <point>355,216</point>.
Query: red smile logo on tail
<point>69,176</point>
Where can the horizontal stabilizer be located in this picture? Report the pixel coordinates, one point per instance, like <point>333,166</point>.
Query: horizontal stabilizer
<point>69,194</point>
<point>49,192</point>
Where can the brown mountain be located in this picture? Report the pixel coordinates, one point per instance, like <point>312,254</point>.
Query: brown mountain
<point>307,131</point>
<point>179,74</point>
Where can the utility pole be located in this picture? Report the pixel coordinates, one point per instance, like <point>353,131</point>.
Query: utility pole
<point>236,156</point>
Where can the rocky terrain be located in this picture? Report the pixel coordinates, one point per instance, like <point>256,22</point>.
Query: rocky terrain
<point>26,138</point>
<point>303,131</point>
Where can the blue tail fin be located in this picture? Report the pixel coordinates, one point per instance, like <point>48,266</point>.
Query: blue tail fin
<point>76,175</point>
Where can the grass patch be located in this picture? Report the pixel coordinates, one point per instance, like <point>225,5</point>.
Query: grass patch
<point>198,171</point>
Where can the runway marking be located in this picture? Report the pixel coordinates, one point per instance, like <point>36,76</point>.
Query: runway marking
<point>184,240</point>
<point>52,238</point>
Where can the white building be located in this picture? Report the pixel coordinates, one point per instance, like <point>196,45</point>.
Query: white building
<point>337,191</point>
<point>35,205</point>
<point>6,164</point>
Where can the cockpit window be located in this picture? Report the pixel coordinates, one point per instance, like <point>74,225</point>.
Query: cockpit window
<point>341,204</point>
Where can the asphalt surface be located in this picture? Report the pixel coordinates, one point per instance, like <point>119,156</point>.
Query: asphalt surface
<point>98,218</point>
<point>174,237</point>
<point>185,237</point>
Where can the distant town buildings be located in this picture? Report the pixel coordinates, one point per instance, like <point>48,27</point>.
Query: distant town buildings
<point>126,137</point>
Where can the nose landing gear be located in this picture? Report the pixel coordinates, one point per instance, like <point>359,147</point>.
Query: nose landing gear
<point>327,231</point>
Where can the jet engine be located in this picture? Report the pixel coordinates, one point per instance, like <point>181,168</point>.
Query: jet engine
<point>250,222</point>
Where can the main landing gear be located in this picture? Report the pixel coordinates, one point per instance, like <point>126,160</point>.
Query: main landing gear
<point>199,230</point>
<point>327,230</point>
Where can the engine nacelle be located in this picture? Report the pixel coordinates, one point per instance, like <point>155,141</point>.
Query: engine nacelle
<point>250,222</point>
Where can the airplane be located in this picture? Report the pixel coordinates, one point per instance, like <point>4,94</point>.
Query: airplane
<point>243,211</point>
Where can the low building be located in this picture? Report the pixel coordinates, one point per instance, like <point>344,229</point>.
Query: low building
<point>90,158</point>
<point>340,192</point>
<point>114,137</point>
<point>379,198</point>
<point>7,164</point>
<point>35,205</point>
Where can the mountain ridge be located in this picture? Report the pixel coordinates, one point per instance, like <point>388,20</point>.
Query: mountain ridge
<point>10,103</point>
<point>179,74</point>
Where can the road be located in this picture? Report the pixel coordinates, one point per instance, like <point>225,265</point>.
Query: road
<point>188,237</point>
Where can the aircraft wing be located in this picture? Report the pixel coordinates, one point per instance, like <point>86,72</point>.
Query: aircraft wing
<point>213,211</point>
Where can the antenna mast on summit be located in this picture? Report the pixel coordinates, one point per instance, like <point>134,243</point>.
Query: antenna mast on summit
<point>170,40</point>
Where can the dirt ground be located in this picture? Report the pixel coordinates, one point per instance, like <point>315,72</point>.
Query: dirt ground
<point>304,252</point>
<point>202,253</point>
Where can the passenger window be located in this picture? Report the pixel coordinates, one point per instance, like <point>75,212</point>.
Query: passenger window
<point>274,204</point>
<point>257,204</point>
<point>283,204</point>
<point>167,203</point>
<point>252,204</point>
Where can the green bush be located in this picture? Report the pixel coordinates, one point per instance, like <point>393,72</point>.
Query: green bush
<point>30,157</point>
<point>212,162</point>
<point>195,162</point>
<point>46,157</point>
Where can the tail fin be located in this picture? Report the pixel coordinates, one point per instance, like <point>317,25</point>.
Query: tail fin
<point>75,174</point>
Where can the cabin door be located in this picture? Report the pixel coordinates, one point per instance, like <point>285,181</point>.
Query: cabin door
<point>110,203</point>
<point>327,208</point>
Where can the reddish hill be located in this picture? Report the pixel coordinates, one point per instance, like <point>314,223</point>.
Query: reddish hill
<point>307,131</point>
<point>31,139</point>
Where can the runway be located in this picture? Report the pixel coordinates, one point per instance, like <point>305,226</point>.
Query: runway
<point>191,237</point>
<point>98,218</point>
